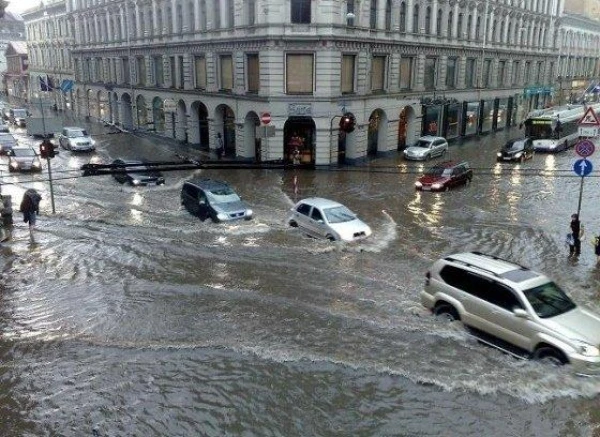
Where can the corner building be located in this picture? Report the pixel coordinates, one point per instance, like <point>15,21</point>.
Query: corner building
<point>192,69</point>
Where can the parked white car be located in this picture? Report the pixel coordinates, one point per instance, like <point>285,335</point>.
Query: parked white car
<point>323,218</point>
<point>426,148</point>
<point>76,139</point>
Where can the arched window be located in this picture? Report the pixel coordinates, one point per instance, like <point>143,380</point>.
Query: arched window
<point>179,18</point>
<point>415,28</point>
<point>388,15</point>
<point>403,17</point>
<point>438,26</point>
<point>501,35</point>
<point>428,20</point>
<point>251,12</point>
<point>202,15</point>
<point>217,14</point>
<point>478,29</point>
<point>373,16</point>
<point>230,14</point>
<point>459,26</point>
<point>450,19</point>
<point>469,26</point>
<point>191,17</point>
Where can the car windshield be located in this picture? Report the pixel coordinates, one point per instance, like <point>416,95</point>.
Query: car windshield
<point>423,144</point>
<point>513,145</point>
<point>223,195</point>
<point>77,133</point>
<point>549,300</point>
<point>23,152</point>
<point>339,214</point>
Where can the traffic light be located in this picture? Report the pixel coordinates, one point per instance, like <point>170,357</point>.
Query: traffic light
<point>47,149</point>
<point>347,122</point>
<point>51,150</point>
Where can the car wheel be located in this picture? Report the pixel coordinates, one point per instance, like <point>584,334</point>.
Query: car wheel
<point>550,355</point>
<point>330,237</point>
<point>446,311</point>
<point>293,224</point>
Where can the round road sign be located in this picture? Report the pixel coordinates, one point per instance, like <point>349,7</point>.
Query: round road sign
<point>585,148</point>
<point>582,167</point>
<point>265,118</point>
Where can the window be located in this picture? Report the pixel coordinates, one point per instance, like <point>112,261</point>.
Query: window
<point>141,71</point>
<point>230,14</point>
<point>478,29</point>
<point>251,12</point>
<point>226,69</point>
<point>403,17</point>
<point>438,26</point>
<point>316,215</point>
<point>159,78</point>
<point>430,74</point>
<point>303,209</point>
<point>406,73</point>
<point>459,27</point>
<point>347,85</point>
<point>373,16</point>
<point>299,74</point>
<point>470,73</point>
<point>301,11</point>
<point>526,77</point>
<point>501,73</point>
<point>540,72</point>
<point>428,20</point>
<point>415,28</point>
<point>180,67</point>
<point>450,18</point>
<point>514,74</point>
<point>378,74</point>
<point>388,15</point>
<point>217,14</point>
<point>173,68</point>
<point>487,66</point>
<point>200,71</point>
<point>451,73</point>
<point>253,73</point>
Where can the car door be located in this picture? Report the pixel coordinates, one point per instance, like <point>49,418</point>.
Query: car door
<point>439,147</point>
<point>203,206</point>
<point>317,223</point>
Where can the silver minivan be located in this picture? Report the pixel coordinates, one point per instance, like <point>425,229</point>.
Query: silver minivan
<point>515,309</point>
<point>210,198</point>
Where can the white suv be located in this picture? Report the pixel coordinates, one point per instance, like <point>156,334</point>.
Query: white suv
<point>426,147</point>
<point>76,139</point>
<point>515,309</point>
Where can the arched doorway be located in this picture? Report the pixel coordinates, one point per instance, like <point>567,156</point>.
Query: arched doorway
<point>200,134</point>
<point>181,126</point>
<point>115,108</point>
<point>158,114</point>
<point>377,132</point>
<point>142,112</point>
<point>127,111</point>
<point>300,133</point>
<point>405,127</point>
<point>252,144</point>
<point>225,120</point>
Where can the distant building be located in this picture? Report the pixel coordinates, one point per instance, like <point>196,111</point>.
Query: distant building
<point>12,28</point>
<point>587,8</point>
<point>16,77</point>
<point>49,43</point>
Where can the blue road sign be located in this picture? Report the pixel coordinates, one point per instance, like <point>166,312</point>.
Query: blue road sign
<point>583,167</point>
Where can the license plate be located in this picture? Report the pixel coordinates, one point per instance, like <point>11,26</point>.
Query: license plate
<point>426,188</point>
<point>507,158</point>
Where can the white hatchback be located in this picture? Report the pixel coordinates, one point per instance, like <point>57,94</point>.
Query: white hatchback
<point>76,139</point>
<point>426,148</point>
<point>323,218</point>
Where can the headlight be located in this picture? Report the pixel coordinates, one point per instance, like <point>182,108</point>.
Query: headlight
<point>249,212</point>
<point>93,142</point>
<point>587,350</point>
<point>418,184</point>
<point>499,155</point>
<point>222,216</point>
<point>135,182</point>
<point>14,164</point>
<point>518,155</point>
<point>36,163</point>
<point>436,186</point>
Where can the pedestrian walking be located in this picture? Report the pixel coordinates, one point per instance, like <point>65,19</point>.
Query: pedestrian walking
<point>577,230</point>
<point>571,243</point>
<point>220,149</point>
<point>30,207</point>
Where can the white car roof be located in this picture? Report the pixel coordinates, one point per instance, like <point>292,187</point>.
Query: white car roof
<point>320,202</point>
<point>73,128</point>
<point>431,138</point>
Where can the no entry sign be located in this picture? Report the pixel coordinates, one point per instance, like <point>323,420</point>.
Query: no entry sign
<point>265,118</point>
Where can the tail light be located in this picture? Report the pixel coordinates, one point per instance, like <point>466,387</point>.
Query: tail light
<point>427,278</point>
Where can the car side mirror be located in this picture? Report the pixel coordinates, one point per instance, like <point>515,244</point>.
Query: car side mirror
<point>520,313</point>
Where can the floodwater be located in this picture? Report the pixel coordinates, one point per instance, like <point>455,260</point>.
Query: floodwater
<point>128,317</point>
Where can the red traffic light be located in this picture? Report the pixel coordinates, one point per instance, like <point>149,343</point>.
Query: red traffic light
<point>47,149</point>
<point>347,122</point>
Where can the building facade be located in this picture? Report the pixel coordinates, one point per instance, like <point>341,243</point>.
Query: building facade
<point>587,8</point>
<point>16,76</point>
<point>402,68</point>
<point>579,61</point>
<point>49,43</point>
<point>12,28</point>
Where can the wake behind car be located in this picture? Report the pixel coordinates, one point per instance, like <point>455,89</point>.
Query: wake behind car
<point>444,176</point>
<point>76,139</point>
<point>516,150</point>
<point>209,198</point>
<point>135,173</point>
<point>324,218</point>
<point>24,159</point>
<point>515,309</point>
<point>427,147</point>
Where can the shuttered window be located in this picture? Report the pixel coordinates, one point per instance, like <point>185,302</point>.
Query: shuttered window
<point>226,72</point>
<point>299,74</point>
<point>200,71</point>
<point>253,74</point>
<point>378,73</point>
<point>348,62</point>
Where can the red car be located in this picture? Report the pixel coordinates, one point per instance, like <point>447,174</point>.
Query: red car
<point>444,176</point>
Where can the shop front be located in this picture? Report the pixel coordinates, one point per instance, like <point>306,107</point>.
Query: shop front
<point>432,117</point>
<point>299,136</point>
<point>487,116</point>
<point>452,120</point>
<point>471,116</point>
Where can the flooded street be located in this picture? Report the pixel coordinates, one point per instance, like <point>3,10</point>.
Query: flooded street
<point>129,317</point>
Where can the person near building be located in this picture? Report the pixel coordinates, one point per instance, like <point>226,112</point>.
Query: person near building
<point>30,207</point>
<point>577,230</point>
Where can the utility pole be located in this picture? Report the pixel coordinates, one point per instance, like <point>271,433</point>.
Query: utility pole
<point>46,139</point>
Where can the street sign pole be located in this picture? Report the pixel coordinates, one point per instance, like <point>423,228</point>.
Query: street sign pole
<point>51,185</point>
<point>580,197</point>
<point>582,167</point>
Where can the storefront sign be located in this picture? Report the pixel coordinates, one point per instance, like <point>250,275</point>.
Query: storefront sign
<point>533,90</point>
<point>299,110</point>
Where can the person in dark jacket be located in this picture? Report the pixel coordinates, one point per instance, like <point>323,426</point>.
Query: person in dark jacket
<point>576,229</point>
<point>30,207</point>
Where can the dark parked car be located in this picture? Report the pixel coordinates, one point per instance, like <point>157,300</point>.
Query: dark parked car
<point>24,159</point>
<point>136,173</point>
<point>444,176</point>
<point>209,198</point>
<point>517,150</point>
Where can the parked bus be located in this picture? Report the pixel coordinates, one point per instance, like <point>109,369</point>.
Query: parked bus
<point>555,129</point>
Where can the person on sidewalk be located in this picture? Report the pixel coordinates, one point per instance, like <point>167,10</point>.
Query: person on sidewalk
<point>577,230</point>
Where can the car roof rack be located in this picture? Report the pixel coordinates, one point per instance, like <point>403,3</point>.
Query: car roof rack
<point>468,264</point>
<point>497,258</point>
